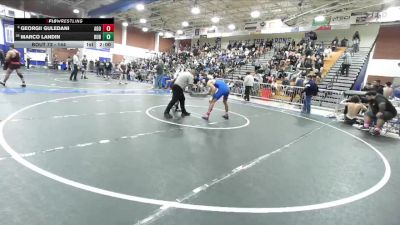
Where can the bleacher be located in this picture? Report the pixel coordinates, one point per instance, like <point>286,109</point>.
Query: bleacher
<point>249,67</point>
<point>335,83</point>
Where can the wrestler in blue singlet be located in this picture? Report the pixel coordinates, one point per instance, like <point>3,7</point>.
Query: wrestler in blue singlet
<point>223,90</point>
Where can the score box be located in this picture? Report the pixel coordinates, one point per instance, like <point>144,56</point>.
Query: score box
<point>108,36</point>
<point>108,27</point>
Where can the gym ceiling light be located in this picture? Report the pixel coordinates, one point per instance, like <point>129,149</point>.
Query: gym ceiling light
<point>195,10</point>
<point>185,24</point>
<point>320,18</point>
<point>255,14</point>
<point>215,19</point>
<point>140,7</point>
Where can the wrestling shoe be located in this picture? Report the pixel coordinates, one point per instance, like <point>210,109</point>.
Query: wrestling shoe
<point>167,116</point>
<point>185,114</point>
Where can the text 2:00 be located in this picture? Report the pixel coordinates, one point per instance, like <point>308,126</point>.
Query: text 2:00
<point>105,44</point>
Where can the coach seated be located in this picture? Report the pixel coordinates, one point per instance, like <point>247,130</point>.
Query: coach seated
<point>353,109</point>
<point>380,111</point>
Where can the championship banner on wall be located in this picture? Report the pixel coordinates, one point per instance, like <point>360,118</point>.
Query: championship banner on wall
<point>203,31</point>
<point>200,31</point>
<point>390,14</point>
<point>324,28</point>
<point>367,17</point>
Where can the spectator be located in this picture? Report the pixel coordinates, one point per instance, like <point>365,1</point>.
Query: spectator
<point>318,77</point>
<point>108,69</point>
<point>28,60</point>
<point>310,90</point>
<point>222,68</point>
<point>84,67</point>
<point>1,57</point>
<point>356,42</point>
<point>46,60</point>
<point>101,68</point>
<point>319,63</point>
<point>123,69</point>
<point>376,86</point>
<point>346,63</point>
<point>308,63</point>
<point>344,42</point>
<point>367,87</point>
<point>328,52</point>
<point>69,63</point>
<point>335,43</point>
<point>96,65</point>
<point>159,74</point>
<point>388,90</point>
<point>300,81</point>
<point>285,81</point>
<point>248,85</point>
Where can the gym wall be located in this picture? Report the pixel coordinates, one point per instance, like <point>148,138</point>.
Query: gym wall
<point>387,44</point>
<point>137,38</point>
<point>63,53</point>
<point>118,33</point>
<point>166,44</point>
<point>385,57</point>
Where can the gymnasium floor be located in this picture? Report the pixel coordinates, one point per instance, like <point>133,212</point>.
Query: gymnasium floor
<point>93,152</point>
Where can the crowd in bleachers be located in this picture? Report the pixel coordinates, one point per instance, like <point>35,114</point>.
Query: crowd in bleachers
<point>290,63</point>
<point>205,59</point>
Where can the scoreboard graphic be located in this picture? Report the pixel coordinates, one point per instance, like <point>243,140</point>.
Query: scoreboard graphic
<point>64,33</point>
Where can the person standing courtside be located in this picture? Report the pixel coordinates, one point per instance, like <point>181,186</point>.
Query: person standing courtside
<point>310,90</point>
<point>123,68</point>
<point>84,63</point>
<point>183,80</point>
<point>28,60</point>
<point>12,62</point>
<point>159,74</point>
<point>380,110</point>
<point>1,57</point>
<point>75,63</point>
<point>248,85</point>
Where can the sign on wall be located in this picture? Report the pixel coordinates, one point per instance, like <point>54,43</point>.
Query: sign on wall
<point>9,33</point>
<point>341,19</point>
<point>390,14</point>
